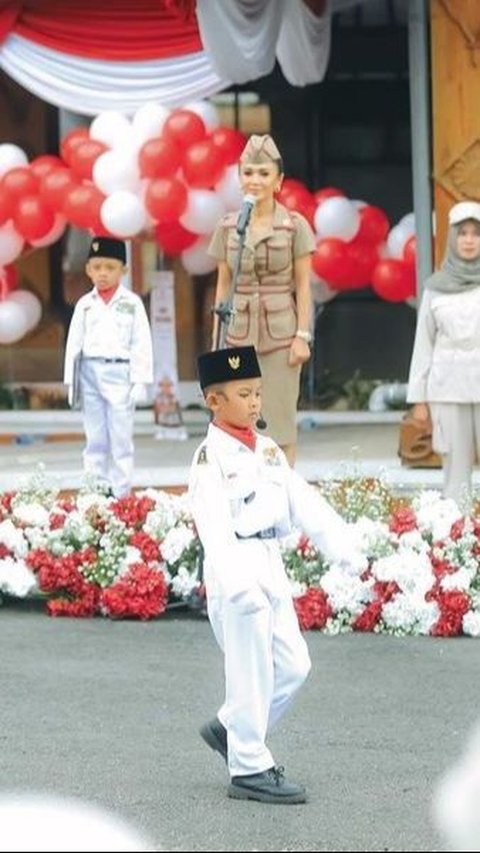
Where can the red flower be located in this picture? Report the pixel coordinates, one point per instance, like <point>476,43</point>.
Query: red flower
<point>148,547</point>
<point>57,520</point>
<point>84,605</point>
<point>313,609</point>
<point>383,591</point>
<point>402,521</point>
<point>4,551</point>
<point>141,593</point>
<point>453,604</point>
<point>132,510</point>
<point>369,617</point>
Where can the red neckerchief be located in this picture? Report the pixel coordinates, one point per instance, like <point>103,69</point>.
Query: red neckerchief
<point>246,435</point>
<point>107,294</point>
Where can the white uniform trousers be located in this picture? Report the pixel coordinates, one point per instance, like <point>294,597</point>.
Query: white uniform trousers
<point>456,435</point>
<point>108,422</point>
<point>266,662</point>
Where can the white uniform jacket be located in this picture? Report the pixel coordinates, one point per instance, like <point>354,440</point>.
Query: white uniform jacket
<point>117,329</point>
<point>234,490</point>
<point>445,366</point>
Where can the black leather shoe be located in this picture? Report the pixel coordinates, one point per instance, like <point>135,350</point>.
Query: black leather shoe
<point>267,787</point>
<point>215,735</point>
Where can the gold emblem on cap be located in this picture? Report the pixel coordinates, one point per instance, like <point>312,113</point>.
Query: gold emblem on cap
<point>234,362</point>
<point>95,246</point>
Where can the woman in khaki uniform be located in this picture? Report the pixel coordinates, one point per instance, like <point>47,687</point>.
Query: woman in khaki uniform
<point>444,382</point>
<point>272,301</point>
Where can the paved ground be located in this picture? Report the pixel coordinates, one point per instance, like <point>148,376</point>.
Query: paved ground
<point>329,445</point>
<point>108,711</point>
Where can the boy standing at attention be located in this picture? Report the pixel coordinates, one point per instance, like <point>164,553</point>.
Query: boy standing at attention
<point>244,496</point>
<point>109,345</point>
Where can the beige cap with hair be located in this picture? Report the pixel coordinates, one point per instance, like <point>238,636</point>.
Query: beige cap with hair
<point>259,149</point>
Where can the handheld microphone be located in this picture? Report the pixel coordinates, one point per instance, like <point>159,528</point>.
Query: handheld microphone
<point>245,214</point>
<point>260,423</point>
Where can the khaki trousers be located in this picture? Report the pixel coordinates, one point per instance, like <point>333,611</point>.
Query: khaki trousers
<point>456,436</point>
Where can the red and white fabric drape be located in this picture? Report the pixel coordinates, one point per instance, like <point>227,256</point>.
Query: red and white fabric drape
<point>88,56</point>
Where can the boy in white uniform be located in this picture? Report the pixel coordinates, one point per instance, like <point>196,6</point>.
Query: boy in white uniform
<point>110,339</point>
<point>244,495</point>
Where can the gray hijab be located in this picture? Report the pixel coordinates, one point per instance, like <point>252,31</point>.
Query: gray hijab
<point>455,275</point>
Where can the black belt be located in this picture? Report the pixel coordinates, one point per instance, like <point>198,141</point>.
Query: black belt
<point>268,533</point>
<point>108,360</point>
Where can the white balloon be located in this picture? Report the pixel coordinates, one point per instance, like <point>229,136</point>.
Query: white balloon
<point>148,121</point>
<point>196,260</point>
<point>13,321</point>
<point>204,209</point>
<point>110,127</point>
<point>358,203</point>
<point>337,217</point>
<point>56,231</point>
<point>11,156</point>
<point>123,214</point>
<point>116,170</point>
<point>11,244</point>
<point>229,190</point>
<point>396,239</point>
<point>207,112</point>
<point>30,304</point>
<point>408,221</point>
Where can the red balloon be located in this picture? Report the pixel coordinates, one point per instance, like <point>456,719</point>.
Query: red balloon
<point>40,166</point>
<point>298,189</point>
<point>394,280</point>
<point>174,238</point>
<point>8,280</point>
<point>296,197</point>
<point>331,261</point>
<point>7,205</point>
<point>374,224</point>
<point>83,157</point>
<point>184,128</point>
<point>32,218</point>
<point>231,143</point>
<point>19,182</point>
<point>82,205</point>
<point>364,257</point>
<point>410,251</point>
<point>166,199</point>
<point>159,158</point>
<point>54,187</point>
<point>327,192</point>
<point>203,165</point>
<point>73,138</point>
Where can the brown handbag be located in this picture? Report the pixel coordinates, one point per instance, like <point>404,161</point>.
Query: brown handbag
<point>415,444</point>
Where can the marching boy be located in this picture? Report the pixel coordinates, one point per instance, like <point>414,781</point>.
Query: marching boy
<point>244,496</point>
<point>109,347</point>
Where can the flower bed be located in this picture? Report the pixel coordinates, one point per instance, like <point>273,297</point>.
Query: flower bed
<point>134,557</point>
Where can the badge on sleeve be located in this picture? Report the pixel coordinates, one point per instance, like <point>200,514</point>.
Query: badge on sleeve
<point>202,456</point>
<point>271,456</point>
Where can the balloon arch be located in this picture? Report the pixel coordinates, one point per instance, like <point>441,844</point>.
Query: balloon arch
<point>171,175</point>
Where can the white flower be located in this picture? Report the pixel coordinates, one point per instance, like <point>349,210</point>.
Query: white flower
<point>410,570</point>
<point>183,583</point>
<point>87,500</point>
<point>13,538</point>
<point>409,612</point>
<point>372,538</point>
<point>346,591</point>
<point>413,540</point>
<point>132,555</point>
<point>16,578</point>
<point>175,543</point>
<point>471,623</point>
<point>30,514</point>
<point>458,580</point>
<point>435,515</point>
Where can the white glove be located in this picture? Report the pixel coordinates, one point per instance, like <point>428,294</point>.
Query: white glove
<point>138,393</point>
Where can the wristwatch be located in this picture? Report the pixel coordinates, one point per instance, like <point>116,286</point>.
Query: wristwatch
<point>304,335</point>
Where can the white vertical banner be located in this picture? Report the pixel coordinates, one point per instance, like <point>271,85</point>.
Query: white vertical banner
<point>168,415</point>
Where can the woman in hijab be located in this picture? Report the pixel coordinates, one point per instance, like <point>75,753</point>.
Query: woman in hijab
<point>444,381</point>
<point>272,301</point>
